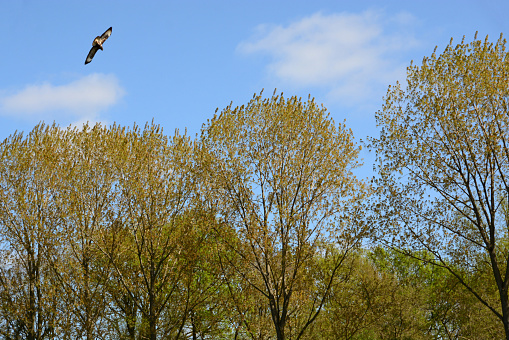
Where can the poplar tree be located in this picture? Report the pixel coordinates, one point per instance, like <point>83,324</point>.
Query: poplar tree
<point>443,165</point>
<point>29,219</point>
<point>280,173</point>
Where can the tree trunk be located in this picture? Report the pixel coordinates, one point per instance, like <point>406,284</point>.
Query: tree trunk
<point>193,326</point>
<point>505,312</point>
<point>130,317</point>
<point>86,298</point>
<point>31,332</point>
<point>279,322</point>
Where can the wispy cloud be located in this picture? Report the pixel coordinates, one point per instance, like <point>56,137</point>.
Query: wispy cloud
<point>81,100</point>
<point>349,54</point>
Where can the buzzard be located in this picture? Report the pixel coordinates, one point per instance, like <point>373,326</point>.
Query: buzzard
<point>97,44</point>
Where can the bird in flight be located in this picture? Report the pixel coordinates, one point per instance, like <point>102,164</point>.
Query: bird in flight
<point>98,44</point>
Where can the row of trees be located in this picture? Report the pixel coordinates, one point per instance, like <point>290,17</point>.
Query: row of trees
<point>258,229</point>
<point>115,232</point>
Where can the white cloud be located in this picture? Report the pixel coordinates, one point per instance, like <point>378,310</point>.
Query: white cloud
<point>349,54</point>
<point>83,99</point>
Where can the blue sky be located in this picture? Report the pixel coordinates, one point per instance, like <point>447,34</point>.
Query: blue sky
<point>177,61</point>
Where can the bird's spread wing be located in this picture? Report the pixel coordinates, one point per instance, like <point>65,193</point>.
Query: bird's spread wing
<point>106,35</point>
<point>91,54</point>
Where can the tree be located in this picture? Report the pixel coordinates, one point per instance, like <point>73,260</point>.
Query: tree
<point>146,243</point>
<point>87,201</point>
<point>443,163</point>
<point>279,172</point>
<point>29,217</point>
